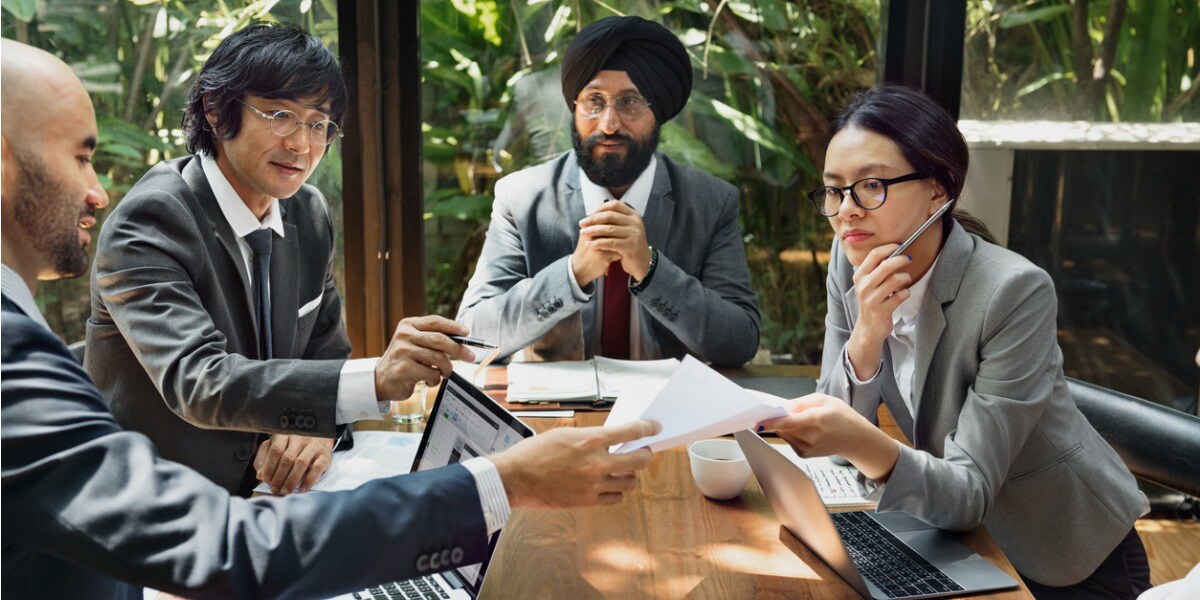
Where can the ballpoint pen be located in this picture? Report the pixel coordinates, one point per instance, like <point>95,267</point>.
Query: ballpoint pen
<point>916,234</point>
<point>470,341</point>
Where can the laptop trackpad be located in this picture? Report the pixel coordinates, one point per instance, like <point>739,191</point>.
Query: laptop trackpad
<point>968,569</point>
<point>896,521</point>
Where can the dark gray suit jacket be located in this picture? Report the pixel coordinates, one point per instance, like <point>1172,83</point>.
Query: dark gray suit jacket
<point>698,301</point>
<point>172,340</point>
<point>86,504</point>
<point>998,439</point>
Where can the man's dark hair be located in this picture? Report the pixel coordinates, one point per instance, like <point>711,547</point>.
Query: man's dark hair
<point>263,59</point>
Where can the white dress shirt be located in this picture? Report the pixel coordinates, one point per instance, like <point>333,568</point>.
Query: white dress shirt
<point>637,197</point>
<point>902,342</point>
<point>356,386</point>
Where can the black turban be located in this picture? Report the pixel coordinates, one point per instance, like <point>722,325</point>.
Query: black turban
<point>649,53</point>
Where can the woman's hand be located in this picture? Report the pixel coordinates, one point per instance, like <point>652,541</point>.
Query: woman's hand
<point>880,287</point>
<point>820,425</point>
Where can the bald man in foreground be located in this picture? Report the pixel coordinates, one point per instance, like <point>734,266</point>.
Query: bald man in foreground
<point>614,249</point>
<point>87,505</point>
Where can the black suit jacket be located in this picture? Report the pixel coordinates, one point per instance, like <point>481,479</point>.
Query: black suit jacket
<point>87,504</point>
<point>172,339</point>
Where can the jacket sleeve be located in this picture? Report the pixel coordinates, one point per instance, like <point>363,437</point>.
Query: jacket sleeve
<point>144,274</point>
<point>78,488</point>
<point>504,302</point>
<point>713,312</point>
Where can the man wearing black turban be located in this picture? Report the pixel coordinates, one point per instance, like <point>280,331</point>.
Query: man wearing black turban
<point>565,274</point>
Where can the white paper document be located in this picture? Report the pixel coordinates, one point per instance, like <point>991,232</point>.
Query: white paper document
<point>838,484</point>
<point>376,454</point>
<point>696,403</point>
<point>584,381</point>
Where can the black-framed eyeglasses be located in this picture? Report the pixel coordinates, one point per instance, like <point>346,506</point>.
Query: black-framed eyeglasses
<point>868,193</point>
<point>629,106</point>
<point>285,122</point>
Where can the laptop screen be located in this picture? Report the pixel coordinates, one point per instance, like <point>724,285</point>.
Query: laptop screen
<point>463,424</point>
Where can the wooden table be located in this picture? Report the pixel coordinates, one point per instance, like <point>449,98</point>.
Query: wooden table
<point>666,540</point>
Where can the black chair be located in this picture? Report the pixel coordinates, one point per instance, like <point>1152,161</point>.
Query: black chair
<point>1158,444</point>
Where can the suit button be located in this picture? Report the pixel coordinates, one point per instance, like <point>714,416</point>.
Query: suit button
<point>283,421</point>
<point>541,317</point>
<point>558,303</point>
<point>242,453</point>
<point>310,422</point>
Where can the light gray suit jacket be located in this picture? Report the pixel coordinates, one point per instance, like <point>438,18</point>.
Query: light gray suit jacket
<point>698,301</point>
<point>998,439</point>
<point>173,339</point>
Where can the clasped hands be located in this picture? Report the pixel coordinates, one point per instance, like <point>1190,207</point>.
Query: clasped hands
<point>615,232</point>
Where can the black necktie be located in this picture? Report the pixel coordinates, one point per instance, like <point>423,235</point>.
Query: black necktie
<point>260,244</point>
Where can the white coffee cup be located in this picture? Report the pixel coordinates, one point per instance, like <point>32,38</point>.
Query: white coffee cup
<point>719,468</point>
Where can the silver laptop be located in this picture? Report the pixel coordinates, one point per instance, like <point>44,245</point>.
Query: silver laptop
<point>463,424</point>
<point>882,555</point>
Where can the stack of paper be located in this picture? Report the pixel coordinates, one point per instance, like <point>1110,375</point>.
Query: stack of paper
<point>584,381</point>
<point>697,403</point>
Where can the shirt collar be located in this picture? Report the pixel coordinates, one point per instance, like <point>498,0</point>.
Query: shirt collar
<point>239,216</point>
<point>908,310</point>
<point>13,286</point>
<point>638,195</point>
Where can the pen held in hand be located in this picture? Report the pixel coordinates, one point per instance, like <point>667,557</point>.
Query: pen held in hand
<point>916,234</point>
<point>470,341</point>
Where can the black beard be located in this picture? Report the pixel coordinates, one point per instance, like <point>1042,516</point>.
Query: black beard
<point>42,211</point>
<point>612,171</point>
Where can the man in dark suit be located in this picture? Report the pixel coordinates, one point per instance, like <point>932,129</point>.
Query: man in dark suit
<point>614,249</point>
<point>86,504</point>
<point>214,310</point>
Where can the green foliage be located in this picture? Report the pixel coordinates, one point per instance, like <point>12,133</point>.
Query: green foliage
<point>1022,61</point>
<point>769,73</point>
<point>137,59</point>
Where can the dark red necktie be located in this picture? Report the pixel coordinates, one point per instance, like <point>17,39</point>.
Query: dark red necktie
<point>614,329</point>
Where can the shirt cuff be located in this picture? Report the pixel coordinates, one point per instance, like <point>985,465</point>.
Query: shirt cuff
<point>580,295</point>
<point>356,393</point>
<point>492,497</point>
<point>851,375</point>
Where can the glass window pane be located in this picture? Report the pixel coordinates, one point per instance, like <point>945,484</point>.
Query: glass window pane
<point>1083,147</point>
<point>136,60</point>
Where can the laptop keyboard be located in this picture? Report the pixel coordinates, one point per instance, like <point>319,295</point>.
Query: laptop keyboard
<point>897,570</point>
<point>422,588</point>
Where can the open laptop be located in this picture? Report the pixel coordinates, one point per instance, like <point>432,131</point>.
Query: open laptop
<point>882,555</point>
<point>463,424</point>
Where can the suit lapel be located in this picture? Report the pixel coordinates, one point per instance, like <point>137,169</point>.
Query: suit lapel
<point>193,175</point>
<point>285,293</point>
<point>931,321</point>
<point>892,398</point>
<point>661,208</point>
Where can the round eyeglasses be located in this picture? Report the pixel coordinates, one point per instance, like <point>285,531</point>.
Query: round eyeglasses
<point>285,122</point>
<point>868,193</point>
<point>629,106</point>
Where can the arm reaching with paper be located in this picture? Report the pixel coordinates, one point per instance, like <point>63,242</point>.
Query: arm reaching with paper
<point>572,467</point>
<point>820,425</point>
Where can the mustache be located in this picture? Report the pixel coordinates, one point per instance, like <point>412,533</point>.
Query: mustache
<point>597,139</point>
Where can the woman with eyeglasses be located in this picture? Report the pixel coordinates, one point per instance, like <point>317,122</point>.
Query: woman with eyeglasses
<point>956,335</point>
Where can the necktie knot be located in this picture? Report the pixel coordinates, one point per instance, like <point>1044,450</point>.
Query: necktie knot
<point>260,242</point>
